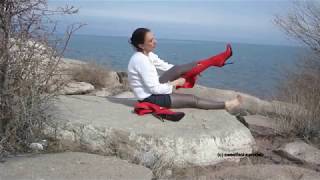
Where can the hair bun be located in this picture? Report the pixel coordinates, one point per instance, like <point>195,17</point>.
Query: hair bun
<point>138,37</point>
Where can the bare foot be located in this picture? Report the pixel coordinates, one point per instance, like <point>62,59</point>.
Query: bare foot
<point>233,104</point>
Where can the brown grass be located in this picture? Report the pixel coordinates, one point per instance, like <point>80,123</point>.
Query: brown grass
<point>91,73</point>
<point>30,53</point>
<point>302,88</point>
<point>100,77</point>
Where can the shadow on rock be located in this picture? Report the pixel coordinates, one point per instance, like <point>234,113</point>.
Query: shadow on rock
<point>125,101</point>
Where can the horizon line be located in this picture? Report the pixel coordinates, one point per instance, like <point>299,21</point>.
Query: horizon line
<point>200,40</point>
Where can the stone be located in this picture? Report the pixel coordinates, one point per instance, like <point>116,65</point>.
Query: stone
<point>301,152</point>
<point>108,126</point>
<point>104,92</point>
<point>71,166</point>
<point>77,88</point>
<point>36,146</point>
<point>262,172</point>
<point>112,80</point>
<point>262,125</point>
<point>126,94</point>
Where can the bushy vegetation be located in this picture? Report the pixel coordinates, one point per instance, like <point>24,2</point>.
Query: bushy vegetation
<point>28,64</point>
<point>302,87</point>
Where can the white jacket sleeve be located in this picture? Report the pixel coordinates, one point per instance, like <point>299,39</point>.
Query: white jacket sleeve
<point>150,78</point>
<point>159,63</point>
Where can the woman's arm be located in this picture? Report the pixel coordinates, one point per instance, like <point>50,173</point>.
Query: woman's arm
<point>159,63</point>
<point>150,78</point>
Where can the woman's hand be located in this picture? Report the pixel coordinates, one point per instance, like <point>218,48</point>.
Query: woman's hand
<point>178,82</point>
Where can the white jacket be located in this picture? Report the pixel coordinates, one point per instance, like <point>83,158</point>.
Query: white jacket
<point>143,76</point>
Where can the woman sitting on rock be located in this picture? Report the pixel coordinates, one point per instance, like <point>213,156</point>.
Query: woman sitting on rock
<point>149,87</point>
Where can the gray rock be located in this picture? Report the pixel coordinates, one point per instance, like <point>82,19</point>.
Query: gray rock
<point>300,151</point>
<point>112,80</point>
<point>66,65</point>
<point>71,166</point>
<point>108,126</point>
<point>265,172</point>
<point>262,125</point>
<point>77,88</point>
<point>36,146</point>
<point>126,94</point>
<point>104,92</point>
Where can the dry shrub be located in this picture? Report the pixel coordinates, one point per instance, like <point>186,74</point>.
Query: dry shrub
<point>303,89</point>
<point>123,79</point>
<point>303,86</point>
<point>100,77</point>
<point>29,57</point>
<point>91,73</point>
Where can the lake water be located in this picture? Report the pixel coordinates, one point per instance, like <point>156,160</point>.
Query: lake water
<point>257,69</point>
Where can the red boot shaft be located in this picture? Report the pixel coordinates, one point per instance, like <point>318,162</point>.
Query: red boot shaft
<point>217,60</point>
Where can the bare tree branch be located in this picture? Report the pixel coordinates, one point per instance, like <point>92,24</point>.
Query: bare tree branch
<point>29,59</point>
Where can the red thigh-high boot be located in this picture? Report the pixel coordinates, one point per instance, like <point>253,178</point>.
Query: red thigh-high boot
<point>217,60</point>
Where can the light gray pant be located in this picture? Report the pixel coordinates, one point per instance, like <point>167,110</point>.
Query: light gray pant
<point>179,100</point>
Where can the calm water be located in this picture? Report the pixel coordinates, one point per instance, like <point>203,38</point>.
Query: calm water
<point>258,69</point>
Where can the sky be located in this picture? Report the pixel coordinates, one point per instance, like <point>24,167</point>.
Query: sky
<point>244,21</point>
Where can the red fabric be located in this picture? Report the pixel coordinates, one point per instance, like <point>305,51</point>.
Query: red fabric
<point>217,60</point>
<point>142,108</point>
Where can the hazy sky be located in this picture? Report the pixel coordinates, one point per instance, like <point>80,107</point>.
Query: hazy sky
<point>249,21</point>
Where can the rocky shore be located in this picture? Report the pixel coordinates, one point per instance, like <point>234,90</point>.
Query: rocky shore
<point>95,135</point>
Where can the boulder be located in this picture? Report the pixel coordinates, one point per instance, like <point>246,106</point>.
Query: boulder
<point>262,172</point>
<point>104,92</point>
<point>112,80</point>
<point>301,152</point>
<point>262,125</point>
<point>126,94</point>
<point>77,88</point>
<point>108,126</point>
<point>71,166</point>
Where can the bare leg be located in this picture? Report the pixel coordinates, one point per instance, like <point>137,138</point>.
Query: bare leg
<point>176,71</point>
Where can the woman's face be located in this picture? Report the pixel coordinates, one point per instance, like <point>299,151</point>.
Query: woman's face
<point>149,42</point>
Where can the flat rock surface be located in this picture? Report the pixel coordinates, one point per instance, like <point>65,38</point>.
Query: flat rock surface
<point>97,123</point>
<point>262,172</point>
<point>77,88</point>
<point>301,151</point>
<point>262,125</point>
<point>71,166</point>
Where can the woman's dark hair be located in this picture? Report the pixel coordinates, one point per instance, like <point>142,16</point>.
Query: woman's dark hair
<point>138,37</point>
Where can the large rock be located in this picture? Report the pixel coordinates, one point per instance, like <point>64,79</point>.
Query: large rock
<point>77,88</point>
<point>261,125</point>
<point>262,172</point>
<point>126,94</point>
<point>104,92</point>
<point>112,80</point>
<point>108,126</point>
<point>71,166</point>
<point>300,151</point>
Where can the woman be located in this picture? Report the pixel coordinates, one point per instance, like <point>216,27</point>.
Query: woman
<point>149,87</point>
